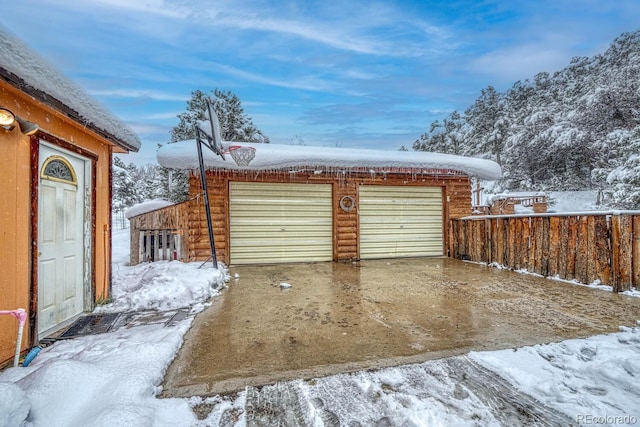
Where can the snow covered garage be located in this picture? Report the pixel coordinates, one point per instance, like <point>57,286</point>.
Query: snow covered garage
<point>306,204</point>
<point>55,202</point>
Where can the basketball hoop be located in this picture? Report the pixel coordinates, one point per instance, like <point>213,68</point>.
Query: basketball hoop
<point>242,155</point>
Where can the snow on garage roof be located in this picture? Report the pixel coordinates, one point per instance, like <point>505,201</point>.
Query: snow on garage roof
<point>29,72</point>
<point>183,155</point>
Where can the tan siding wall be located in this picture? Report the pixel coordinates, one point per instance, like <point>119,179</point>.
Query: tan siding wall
<point>456,189</point>
<point>14,235</point>
<point>16,207</point>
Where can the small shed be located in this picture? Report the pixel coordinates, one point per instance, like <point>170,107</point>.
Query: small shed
<point>55,201</point>
<point>517,202</point>
<point>308,204</point>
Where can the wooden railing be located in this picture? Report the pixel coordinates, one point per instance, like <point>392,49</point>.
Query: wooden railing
<point>599,247</point>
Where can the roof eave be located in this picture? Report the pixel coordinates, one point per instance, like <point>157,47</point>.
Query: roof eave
<point>62,108</point>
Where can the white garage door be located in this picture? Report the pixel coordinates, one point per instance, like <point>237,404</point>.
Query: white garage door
<point>400,221</point>
<point>279,223</point>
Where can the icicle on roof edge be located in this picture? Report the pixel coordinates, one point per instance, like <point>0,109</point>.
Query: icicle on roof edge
<point>183,155</point>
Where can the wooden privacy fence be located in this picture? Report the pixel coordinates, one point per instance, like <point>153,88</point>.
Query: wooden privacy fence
<point>589,247</point>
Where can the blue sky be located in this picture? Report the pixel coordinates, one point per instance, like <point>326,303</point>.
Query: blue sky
<point>331,73</point>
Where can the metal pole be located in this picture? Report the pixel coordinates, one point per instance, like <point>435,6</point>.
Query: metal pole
<point>21,315</point>
<point>205,191</point>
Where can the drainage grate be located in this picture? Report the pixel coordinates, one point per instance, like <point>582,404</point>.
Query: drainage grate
<point>90,325</point>
<point>93,324</point>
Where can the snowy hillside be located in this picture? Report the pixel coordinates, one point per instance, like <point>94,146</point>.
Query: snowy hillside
<point>575,129</point>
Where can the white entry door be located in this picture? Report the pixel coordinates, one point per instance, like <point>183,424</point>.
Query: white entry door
<point>61,218</point>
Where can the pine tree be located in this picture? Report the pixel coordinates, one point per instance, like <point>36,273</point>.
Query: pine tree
<point>126,190</point>
<point>235,125</point>
<point>487,124</point>
<point>577,128</point>
<point>445,137</point>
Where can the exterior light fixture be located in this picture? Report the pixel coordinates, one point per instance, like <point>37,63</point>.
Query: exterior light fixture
<point>8,122</point>
<point>26,127</point>
<point>7,119</point>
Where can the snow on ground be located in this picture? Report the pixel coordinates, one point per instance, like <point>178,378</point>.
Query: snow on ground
<point>113,378</point>
<point>572,201</point>
<point>558,201</point>
<point>101,380</point>
<point>589,377</point>
<point>163,285</point>
<point>567,201</point>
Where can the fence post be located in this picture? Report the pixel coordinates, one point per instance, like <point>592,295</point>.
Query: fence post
<point>621,252</point>
<point>488,239</point>
<point>635,252</point>
<point>615,253</point>
<point>603,250</point>
<point>582,250</point>
<point>626,251</point>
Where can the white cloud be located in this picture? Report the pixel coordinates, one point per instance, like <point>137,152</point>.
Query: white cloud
<point>150,129</point>
<point>137,93</point>
<point>521,62</point>
<point>330,35</point>
<point>152,7</point>
<point>310,83</point>
<point>161,116</point>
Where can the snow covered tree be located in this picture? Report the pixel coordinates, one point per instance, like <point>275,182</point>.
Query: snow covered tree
<point>126,191</point>
<point>574,129</point>
<point>623,190</point>
<point>487,124</point>
<point>235,125</point>
<point>431,141</point>
<point>134,184</point>
<point>445,137</point>
<point>174,184</point>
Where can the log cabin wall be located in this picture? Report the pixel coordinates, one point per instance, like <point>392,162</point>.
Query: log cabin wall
<point>601,248</point>
<point>456,203</point>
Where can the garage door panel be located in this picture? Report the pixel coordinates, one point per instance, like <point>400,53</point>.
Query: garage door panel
<point>405,233</point>
<point>418,246</point>
<point>275,223</point>
<point>292,253</point>
<point>292,246</point>
<point>400,221</point>
<point>278,238</point>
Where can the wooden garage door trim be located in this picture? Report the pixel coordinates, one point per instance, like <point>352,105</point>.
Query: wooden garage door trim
<point>398,221</point>
<point>280,223</point>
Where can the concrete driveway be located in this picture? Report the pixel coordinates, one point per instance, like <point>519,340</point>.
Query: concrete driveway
<point>343,317</point>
